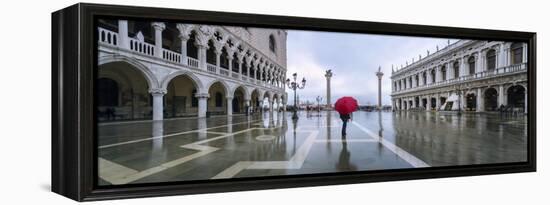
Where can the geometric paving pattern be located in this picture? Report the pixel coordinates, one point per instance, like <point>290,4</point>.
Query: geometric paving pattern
<point>268,145</point>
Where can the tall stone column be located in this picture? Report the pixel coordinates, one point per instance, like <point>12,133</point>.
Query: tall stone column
<point>271,101</point>
<point>328,75</point>
<point>379,74</point>
<point>123,40</point>
<point>203,106</point>
<point>229,105</point>
<point>158,104</point>
<point>159,27</point>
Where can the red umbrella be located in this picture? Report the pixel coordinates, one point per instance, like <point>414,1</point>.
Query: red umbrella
<point>346,105</point>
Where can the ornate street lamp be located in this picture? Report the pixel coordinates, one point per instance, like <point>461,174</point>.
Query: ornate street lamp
<point>294,85</point>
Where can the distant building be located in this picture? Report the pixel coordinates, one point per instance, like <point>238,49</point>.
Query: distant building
<point>157,70</point>
<point>477,75</point>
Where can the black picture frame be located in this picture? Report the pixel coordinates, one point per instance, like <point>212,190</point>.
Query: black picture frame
<point>73,130</point>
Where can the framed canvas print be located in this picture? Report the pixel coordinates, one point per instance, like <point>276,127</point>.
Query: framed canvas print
<point>155,101</point>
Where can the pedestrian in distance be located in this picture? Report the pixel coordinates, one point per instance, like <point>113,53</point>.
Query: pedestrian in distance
<point>345,118</point>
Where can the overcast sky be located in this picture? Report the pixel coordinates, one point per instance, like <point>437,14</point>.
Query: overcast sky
<point>354,60</point>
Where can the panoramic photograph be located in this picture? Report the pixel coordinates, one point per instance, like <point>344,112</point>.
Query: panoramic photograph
<point>181,102</point>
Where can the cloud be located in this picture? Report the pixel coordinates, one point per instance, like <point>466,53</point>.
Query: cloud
<point>354,60</point>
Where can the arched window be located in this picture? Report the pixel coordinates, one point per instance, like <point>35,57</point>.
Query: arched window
<point>194,100</point>
<point>472,65</point>
<point>244,67</point>
<point>210,54</point>
<point>272,43</point>
<point>192,50</point>
<point>235,63</point>
<point>517,53</point>
<point>424,78</point>
<point>491,60</point>
<point>224,61</point>
<point>433,75</point>
<point>417,80</point>
<point>219,99</point>
<point>443,73</point>
<point>456,69</point>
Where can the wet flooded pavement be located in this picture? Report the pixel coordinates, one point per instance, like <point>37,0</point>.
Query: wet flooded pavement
<point>267,145</point>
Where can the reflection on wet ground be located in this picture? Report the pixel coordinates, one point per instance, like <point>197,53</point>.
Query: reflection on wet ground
<point>267,145</point>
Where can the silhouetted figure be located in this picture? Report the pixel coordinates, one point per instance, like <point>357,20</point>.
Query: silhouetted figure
<point>345,118</point>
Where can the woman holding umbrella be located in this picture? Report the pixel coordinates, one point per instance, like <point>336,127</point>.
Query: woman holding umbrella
<point>345,106</point>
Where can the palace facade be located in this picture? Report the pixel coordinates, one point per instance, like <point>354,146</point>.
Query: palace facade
<point>469,75</point>
<point>158,70</point>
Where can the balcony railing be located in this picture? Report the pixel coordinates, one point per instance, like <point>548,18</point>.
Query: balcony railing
<point>224,72</point>
<point>235,75</point>
<point>108,37</point>
<point>192,62</point>
<point>211,68</point>
<point>479,75</point>
<point>171,56</point>
<point>142,47</point>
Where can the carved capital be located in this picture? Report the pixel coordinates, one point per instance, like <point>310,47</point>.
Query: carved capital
<point>157,91</point>
<point>158,25</point>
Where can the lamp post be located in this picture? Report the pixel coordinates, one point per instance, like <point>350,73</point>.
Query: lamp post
<point>294,85</point>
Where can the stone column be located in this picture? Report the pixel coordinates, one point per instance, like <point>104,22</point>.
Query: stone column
<point>271,101</point>
<point>203,106</point>
<point>159,27</point>
<point>123,40</point>
<point>262,105</point>
<point>158,104</point>
<point>229,105</point>
<point>183,52</point>
<point>328,75</point>
<point>480,101</point>
<point>230,63</point>
<point>218,54</point>
<point>463,70</point>
<point>201,49</point>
